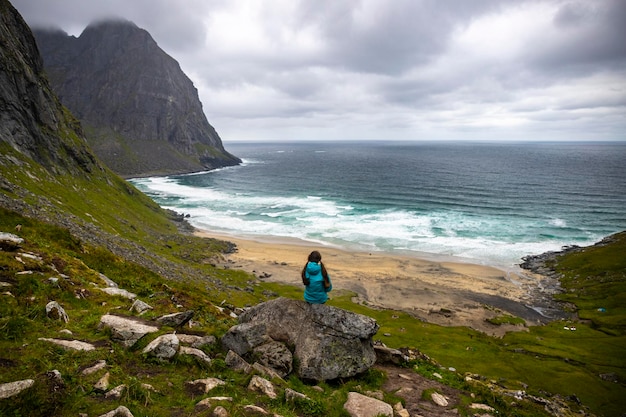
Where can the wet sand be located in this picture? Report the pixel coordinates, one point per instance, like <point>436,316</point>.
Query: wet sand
<point>445,292</point>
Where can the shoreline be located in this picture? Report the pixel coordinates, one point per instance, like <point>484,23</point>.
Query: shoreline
<point>440,290</point>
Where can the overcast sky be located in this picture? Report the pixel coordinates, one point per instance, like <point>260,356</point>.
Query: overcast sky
<point>386,69</point>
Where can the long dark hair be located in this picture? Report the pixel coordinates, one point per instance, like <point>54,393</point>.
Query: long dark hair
<point>316,257</point>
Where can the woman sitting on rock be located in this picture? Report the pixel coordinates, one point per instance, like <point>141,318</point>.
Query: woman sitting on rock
<point>316,280</point>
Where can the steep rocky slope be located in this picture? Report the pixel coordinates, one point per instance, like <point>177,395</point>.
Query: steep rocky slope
<point>141,113</point>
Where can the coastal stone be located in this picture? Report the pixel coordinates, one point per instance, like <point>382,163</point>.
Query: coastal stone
<point>197,353</point>
<point>119,292</point>
<point>359,405</point>
<point>164,347</point>
<point>175,319</point>
<point>328,342</point>
<point>11,389</point>
<point>126,330</point>
<point>262,386</point>
<point>56,312</point>
<point>69,344</point>
<point>120,411</point>
<point>203,386</point>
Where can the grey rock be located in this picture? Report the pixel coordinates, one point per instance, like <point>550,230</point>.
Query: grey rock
<point>56,312</point>
<point>276,356</point>
<point>116,393</point>
<point>220,411</point>
<point>144,112</point>
<point>101,364</point>
<point>69,344</point>
<point>140,307</point>
<point>237,363</point>
<point>120,411</point>
<point>359,405</point>
<point>328,342</point>
<point>263,386</point>
<point>197,353</point>
<point>292,395</point>
<point>119,292</point>
<point>244,337</point>
<point>13,388</point>
<point>254,410</point>
<point>175,319</point>
<point>164,347</point>
<point>9,241</point>
<point>203,386</point>
<point>196,341</point>
<point>126,330</point>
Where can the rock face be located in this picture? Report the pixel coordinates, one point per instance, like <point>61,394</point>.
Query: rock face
<point>327,342</point>
<point>141,113</point>
<point>32,121</point>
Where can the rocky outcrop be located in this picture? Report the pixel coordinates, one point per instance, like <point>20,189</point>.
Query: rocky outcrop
<point>327,342</point>
<point>32,121</point>
<point>141,113</point>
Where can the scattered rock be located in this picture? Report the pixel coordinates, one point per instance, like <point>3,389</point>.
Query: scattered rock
<point>9,241</point>
<point>385,355</point>
<point>253,410</point>
<point>359,405</point>
<point>119,292</point>
<point>237,363</point>
<point>116,393</point>
<point>262,386</point>
<point>140,307</point>
<point>196,341</point>
<point>220,411</point>
<point>203,386</point>
<point>56,312</point>
<point>69,344</point>
<point>186,350</point>
<point>164,347</point>
<point>13,388</point>
<point>120,411</point>
<point>175,319</point>
<point>107,281</point>
<point>484,407</point>
<point>439,399</point>
<point>101,364</point>
<point>103,383</point>
<point>126,330</point>
<point>292,395</point>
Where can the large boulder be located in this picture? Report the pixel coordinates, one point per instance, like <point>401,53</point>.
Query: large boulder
<point>327,342</point>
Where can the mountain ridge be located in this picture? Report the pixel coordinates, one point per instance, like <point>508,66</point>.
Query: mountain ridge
<point>141,114</point>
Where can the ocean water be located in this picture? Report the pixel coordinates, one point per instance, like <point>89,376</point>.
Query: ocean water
<point>489,203</point>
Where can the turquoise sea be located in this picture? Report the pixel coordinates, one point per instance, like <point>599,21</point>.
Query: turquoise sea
<point>490,203</point>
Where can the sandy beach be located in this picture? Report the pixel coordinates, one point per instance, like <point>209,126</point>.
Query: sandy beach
<point>443,292</point>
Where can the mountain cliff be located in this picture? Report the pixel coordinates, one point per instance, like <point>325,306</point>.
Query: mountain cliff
<point>141,113</point>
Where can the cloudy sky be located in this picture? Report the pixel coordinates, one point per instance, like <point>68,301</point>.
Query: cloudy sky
<point>387,69</point>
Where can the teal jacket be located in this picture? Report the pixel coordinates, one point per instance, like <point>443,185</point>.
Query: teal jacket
<point>315,292</point>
